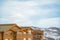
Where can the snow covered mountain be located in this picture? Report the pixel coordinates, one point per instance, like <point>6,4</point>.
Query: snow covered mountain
<point>52,33</point>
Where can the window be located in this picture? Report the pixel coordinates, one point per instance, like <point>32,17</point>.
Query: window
<point>29,38</point>
<point>6,33</point>
<point>24,38</point>
<point>29,32</point>
<point>6,39</point>
<point>24,32</point>
<point>10,39</point>
<point>19,33</point>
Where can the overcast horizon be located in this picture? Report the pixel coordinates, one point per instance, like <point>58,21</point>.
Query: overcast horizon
<point>38,13</point>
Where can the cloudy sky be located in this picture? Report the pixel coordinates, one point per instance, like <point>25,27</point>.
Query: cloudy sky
<point>38,13</point>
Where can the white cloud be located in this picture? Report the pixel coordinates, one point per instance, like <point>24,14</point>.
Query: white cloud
<point>49,22</point>
<point>27,8</point>
<point>24,8</point>
<point>47,2</point>
<point>20,11</point>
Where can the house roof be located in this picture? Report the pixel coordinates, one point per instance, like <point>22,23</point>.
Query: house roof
<point>26,27</point>
<point>4,27</point>
<point>32,27</point>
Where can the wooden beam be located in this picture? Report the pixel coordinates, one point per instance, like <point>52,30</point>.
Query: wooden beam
<point>15,34</point>
<point>2,35</point>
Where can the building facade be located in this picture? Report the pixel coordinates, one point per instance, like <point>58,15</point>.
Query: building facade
<point>15,32</point>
